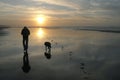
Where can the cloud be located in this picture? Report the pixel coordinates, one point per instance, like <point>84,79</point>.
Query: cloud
<point>88,10</point>
<point>65,3</point>
<point>105,7</point>
<point>81,7</point>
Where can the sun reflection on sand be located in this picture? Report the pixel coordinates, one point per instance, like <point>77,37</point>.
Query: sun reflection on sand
<point>40,33</point>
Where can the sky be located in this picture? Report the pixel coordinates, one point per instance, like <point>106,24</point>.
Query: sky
<point>60,12</point>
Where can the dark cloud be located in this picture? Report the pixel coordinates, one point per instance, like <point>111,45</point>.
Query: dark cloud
<point>16,2</point>
<point>111,7</point>
<point>2,30</point>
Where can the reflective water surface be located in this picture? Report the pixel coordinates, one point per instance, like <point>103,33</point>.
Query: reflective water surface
<point>74,55</point>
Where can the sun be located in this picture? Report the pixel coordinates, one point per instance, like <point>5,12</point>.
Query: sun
<point>40,20</point>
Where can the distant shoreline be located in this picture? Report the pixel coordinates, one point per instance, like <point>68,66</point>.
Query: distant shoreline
<point>101,29</point>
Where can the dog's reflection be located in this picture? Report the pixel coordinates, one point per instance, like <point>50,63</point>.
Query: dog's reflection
<point>47,55</point>
<point>47,50</point>
<point>26,66</point>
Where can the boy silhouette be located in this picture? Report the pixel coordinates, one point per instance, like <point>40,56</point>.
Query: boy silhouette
<point>25,33</point>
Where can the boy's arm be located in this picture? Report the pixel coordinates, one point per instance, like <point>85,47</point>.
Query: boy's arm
<point>28,32</point>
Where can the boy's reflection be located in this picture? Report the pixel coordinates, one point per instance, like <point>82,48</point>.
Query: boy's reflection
<point>26,67</point>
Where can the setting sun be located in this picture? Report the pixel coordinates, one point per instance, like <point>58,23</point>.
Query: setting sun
<point>41,19</point>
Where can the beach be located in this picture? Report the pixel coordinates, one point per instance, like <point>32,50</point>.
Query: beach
<point>75,55</point>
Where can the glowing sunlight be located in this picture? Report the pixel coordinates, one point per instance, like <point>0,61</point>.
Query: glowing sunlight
<point>40,19</point>
<point>40,33</point>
